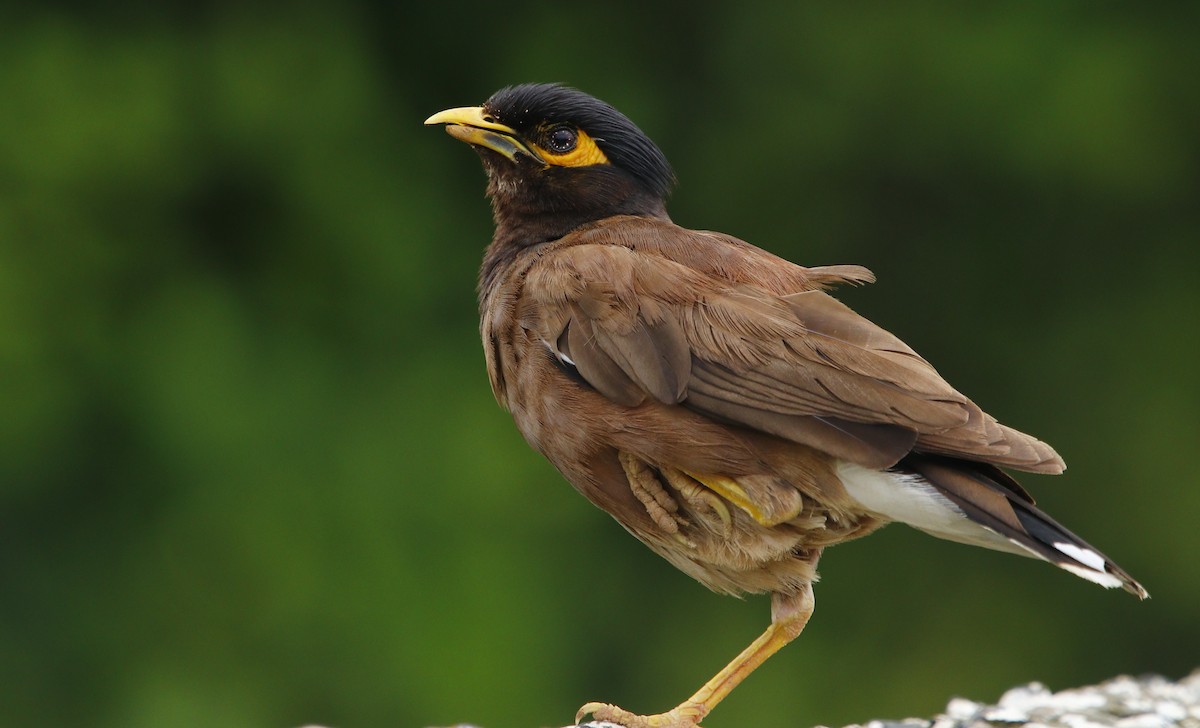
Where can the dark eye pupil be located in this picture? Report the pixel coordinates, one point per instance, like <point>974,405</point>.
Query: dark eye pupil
<point>562,139</point>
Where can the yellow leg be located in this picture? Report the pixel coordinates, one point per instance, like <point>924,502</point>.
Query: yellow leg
<point>789,614</point>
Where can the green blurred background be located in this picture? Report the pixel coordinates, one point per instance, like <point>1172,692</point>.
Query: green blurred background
<point>251,473</point>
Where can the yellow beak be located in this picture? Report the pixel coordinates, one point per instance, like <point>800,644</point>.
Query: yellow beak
<point>471,124</point>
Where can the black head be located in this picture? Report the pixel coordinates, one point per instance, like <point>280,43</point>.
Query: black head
<point>537,110</point>
<point>557,158</point>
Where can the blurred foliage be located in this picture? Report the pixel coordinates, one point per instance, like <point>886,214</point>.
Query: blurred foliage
<point>251,473</point>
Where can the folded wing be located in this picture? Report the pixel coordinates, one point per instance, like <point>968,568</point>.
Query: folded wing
<point>636,323</point>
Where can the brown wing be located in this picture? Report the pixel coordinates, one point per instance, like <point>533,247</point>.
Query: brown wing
<point>641,312</point>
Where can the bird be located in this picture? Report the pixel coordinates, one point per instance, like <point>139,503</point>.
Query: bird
<point>712,397</point>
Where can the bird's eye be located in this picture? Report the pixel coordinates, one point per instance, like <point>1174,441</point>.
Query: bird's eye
<point>567,146</point>
<point>562,140</point>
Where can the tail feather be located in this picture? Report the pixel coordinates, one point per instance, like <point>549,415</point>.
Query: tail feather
<point>989,497</point>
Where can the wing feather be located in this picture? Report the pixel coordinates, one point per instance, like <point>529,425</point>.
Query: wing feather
<point>753,350</point>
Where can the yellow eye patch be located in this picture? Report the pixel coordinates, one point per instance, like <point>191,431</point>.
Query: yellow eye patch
<point>584,153</point>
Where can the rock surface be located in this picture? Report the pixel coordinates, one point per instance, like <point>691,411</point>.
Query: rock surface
<point>1123,702</point>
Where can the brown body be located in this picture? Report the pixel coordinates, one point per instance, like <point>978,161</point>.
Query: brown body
<point>692,303</point>
<point>712,397</point>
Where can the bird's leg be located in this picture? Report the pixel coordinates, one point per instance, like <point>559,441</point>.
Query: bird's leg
<point>789,614</point>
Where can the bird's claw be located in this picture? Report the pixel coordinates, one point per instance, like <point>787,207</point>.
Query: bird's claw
<point>687,715</point>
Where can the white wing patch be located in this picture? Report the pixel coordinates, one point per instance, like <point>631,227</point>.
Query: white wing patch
<point>1103,578</point>
<point>1095,570</point>
<point>1082,555</point>
<point>558,354</point>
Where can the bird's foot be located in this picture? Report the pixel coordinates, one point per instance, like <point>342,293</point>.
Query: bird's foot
<point>686,715</point>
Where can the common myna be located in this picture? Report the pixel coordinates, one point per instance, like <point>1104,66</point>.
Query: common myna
<point>712,397</point>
